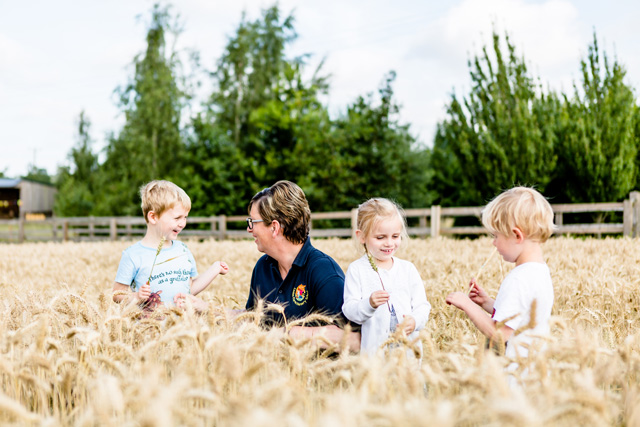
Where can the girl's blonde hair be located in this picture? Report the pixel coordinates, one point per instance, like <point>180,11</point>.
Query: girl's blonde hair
<point>158,196</point>
<point>521,207</point>
<point>371,212</point>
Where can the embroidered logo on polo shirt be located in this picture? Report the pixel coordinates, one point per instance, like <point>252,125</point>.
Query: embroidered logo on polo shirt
<point>300,295</point>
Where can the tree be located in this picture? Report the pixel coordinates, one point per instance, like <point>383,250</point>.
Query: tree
<point>76,183</point>
<point>503,133</point>
<point>261,120</point>
<point>369,154</point>
<point>150,144</point>
<point>37,174</point>
<point>264,122</point>
<point>249,72</point>
<point>598,142</point>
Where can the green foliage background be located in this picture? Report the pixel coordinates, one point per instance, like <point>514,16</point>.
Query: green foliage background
<point>264,121</point>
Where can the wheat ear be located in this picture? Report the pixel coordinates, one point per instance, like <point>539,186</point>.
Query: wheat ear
<point>156,257</point>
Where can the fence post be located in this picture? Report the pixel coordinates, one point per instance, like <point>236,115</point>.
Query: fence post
<point>558,219</point>
<point>627,217</point>
<point>65,231</point>
<point>21,228</point>
<point>92,225</point>
<point>214,225</point>
<point>222,227</point>
<point>54,229</point>
<point>435,221</point>
<point>354,221</point>
<point>113,229</point>
<point>634,198</point>
<point>422,222</point>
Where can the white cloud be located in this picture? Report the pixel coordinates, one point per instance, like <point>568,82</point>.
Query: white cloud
<point>51,72</point>
<point>12,53</point>
<point>547,34</point>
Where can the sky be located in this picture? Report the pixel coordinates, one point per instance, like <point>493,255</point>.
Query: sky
<point>58,58</point>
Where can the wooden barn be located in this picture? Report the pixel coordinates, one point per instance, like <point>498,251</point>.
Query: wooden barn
<point>25,197</point>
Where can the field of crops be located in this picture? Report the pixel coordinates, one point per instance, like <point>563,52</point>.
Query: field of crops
<point>69,356</point>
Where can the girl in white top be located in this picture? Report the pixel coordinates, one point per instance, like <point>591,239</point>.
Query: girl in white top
<point>382,292</point>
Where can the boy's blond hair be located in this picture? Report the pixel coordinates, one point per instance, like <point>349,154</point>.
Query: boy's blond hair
<point>521,207</point>
<point>160,195</point>
<point>371,212</point>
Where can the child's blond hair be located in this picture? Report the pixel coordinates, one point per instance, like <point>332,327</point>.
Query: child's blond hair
<point>371,212</point>
<point>160,195</point>
<point>523,208</point>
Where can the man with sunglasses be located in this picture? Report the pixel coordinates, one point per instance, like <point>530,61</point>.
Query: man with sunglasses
<point>292,273</point>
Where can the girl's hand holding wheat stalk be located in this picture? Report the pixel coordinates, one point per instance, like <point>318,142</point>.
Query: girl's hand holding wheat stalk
<point>382,296</point>
<point>378,298</point>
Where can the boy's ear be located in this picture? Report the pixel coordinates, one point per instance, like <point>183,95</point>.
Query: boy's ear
<point>519,234</point>
<point>152,218</point>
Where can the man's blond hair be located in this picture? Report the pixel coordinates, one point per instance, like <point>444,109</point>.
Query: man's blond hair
<point>160,195</point>
<point>523,208</point>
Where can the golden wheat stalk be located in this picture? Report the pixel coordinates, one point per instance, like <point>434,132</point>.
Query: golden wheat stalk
<point>375,268</point>
<point>156,257</point>
<point>482,267</point>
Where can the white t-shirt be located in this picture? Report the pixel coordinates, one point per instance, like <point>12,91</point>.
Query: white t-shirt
<point>524,284</point>
<point>407,295</point>
<point>174,268</point>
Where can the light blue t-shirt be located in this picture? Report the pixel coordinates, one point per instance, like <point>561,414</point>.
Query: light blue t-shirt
<point>174,268</point>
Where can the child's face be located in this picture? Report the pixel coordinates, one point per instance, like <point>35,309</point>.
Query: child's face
<point>172,221</point>
<point>507,246</point>
<point>384,240</point>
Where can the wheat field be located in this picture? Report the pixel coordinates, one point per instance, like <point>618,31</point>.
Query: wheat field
<point>70,356</point>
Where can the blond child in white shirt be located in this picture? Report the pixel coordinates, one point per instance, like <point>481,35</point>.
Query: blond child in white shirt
<point>521,220</point>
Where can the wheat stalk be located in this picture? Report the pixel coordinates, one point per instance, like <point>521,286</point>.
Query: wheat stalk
<point>482,267</point>
<point>162,240</point>
<point>375,268</point>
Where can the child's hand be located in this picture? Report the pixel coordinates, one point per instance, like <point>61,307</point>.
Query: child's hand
<point>144,292</point>
<point>476,293</point>
<point>182,300</point>
<point>223,268</point>
<point>408,324</point>
<point>457,299</point>
<point>378,298</point>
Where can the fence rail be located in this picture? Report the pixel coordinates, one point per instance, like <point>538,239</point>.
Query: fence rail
<point>433,221</point>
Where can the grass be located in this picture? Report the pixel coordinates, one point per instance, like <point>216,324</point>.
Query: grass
<point>69,356</point>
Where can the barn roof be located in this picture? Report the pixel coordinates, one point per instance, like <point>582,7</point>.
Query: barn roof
<point>15,182</point>
<point>9,182</point>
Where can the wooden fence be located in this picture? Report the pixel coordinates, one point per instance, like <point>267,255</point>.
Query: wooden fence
<point>433,221</point>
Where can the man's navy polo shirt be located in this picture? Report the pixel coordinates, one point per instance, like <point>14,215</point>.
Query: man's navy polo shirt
<point>314,284</point>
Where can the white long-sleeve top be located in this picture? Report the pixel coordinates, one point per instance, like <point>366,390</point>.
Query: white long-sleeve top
<point>407,295</point>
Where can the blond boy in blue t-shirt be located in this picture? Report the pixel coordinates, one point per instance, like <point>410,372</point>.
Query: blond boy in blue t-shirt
<point>159,268</point>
